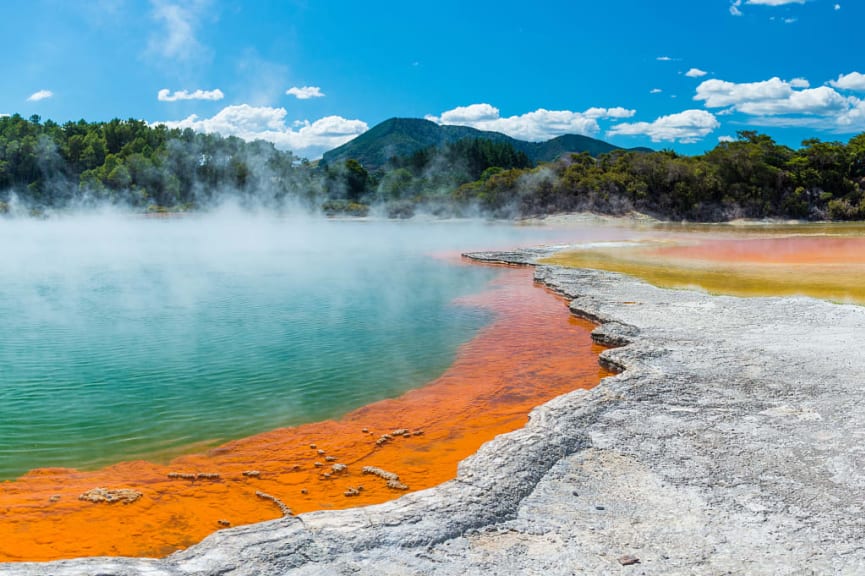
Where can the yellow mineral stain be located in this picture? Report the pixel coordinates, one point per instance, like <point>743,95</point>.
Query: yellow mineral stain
<point>767,261</point>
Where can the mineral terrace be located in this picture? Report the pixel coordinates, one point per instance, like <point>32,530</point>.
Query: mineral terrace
<point>733,442</point>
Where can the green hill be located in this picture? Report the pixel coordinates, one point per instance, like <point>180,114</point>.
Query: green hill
<point>552,149</point>
<point>404,136</point>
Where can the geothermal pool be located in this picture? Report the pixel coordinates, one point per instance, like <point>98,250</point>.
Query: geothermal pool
<point>143,338</point>
<point>195,363</point>
<point>134,349</point>
<point>133,337</point>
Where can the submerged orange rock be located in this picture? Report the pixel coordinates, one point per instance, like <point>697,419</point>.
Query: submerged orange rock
<point>533,351</point>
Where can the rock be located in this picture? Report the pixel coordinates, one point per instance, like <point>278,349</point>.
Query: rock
<point>286,511</point>
<point>125,495</point>
<point>628,560</point>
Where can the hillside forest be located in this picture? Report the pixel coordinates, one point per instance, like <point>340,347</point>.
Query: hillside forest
<point>46,166</point>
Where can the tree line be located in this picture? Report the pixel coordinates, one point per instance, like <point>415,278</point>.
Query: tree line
<point>128,162</point>
<point>751,177</point>
<point>45,165</point>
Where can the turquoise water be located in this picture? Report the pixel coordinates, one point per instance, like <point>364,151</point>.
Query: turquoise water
<point>126,337</point>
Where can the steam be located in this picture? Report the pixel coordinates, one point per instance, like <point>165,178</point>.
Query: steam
<point>253,175</point>
<point>268,319</point>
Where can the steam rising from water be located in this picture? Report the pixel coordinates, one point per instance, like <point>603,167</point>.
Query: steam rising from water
<point>126,336</point>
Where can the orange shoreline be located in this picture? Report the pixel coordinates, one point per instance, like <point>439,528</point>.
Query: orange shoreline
<point>532,352</point>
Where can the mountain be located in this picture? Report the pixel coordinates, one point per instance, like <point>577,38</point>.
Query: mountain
<point>404,136</point>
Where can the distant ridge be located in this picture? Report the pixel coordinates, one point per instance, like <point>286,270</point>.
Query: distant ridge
<point>404,136</point>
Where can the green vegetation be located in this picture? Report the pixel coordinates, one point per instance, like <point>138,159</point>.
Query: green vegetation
<point>47,165</point>
<point>752,177</point>
<point>44,165</point>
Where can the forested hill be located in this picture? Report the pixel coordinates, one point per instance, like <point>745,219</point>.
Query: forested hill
<point>400,137</point>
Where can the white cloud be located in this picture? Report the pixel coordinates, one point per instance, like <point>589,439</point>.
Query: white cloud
<point>305,92</point>
<point>165,95</point>
<point>837,6</point>
<point>664,59</point>
<point>695,73</point>
<point>655,91</point>
<point>726,139</point>
<point>310,139</point>
<point>774,2</point>
<point>686,127</point>
<point>617,112</point>
<point>776,102</point>
<point>771,97</point>
<point>822,101</point>
<point>719,93</point>
<point>4,115</point>
<point>533,126</point>
<point>851,81</point>
<point>735,4</point>
<point>853,119</point>
<point>176,39</point>
<point>40,95</point>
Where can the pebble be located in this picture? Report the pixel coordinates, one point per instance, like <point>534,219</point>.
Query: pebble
<point>628,560</point>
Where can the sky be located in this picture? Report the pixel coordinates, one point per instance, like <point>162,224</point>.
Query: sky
<point>310,75</point>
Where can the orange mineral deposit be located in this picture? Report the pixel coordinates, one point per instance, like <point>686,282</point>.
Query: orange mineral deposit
<point>533,351</point>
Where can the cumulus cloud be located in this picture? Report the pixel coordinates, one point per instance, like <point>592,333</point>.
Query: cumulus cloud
<point>820,101</point>
<point>165,95</point>
<point>734,7</point>
<point>719,93</point>
<point>40,95</point>
<point>771,97</point>
<point>175,38</point>
<point>851,81</point>
<point>535,126</point>
<point>852,119</point>
<point>655,91</point>
<point>617,112</point>
<point>695,73</point>
<point>305,92</point>
<point>686,127</point>
<point>310,139</point>
<point>777,102</point>
<point>726,139</point>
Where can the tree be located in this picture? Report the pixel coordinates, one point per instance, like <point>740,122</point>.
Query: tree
<point>356,180</point>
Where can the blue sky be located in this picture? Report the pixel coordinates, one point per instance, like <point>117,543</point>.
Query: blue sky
<point>309,75</point>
